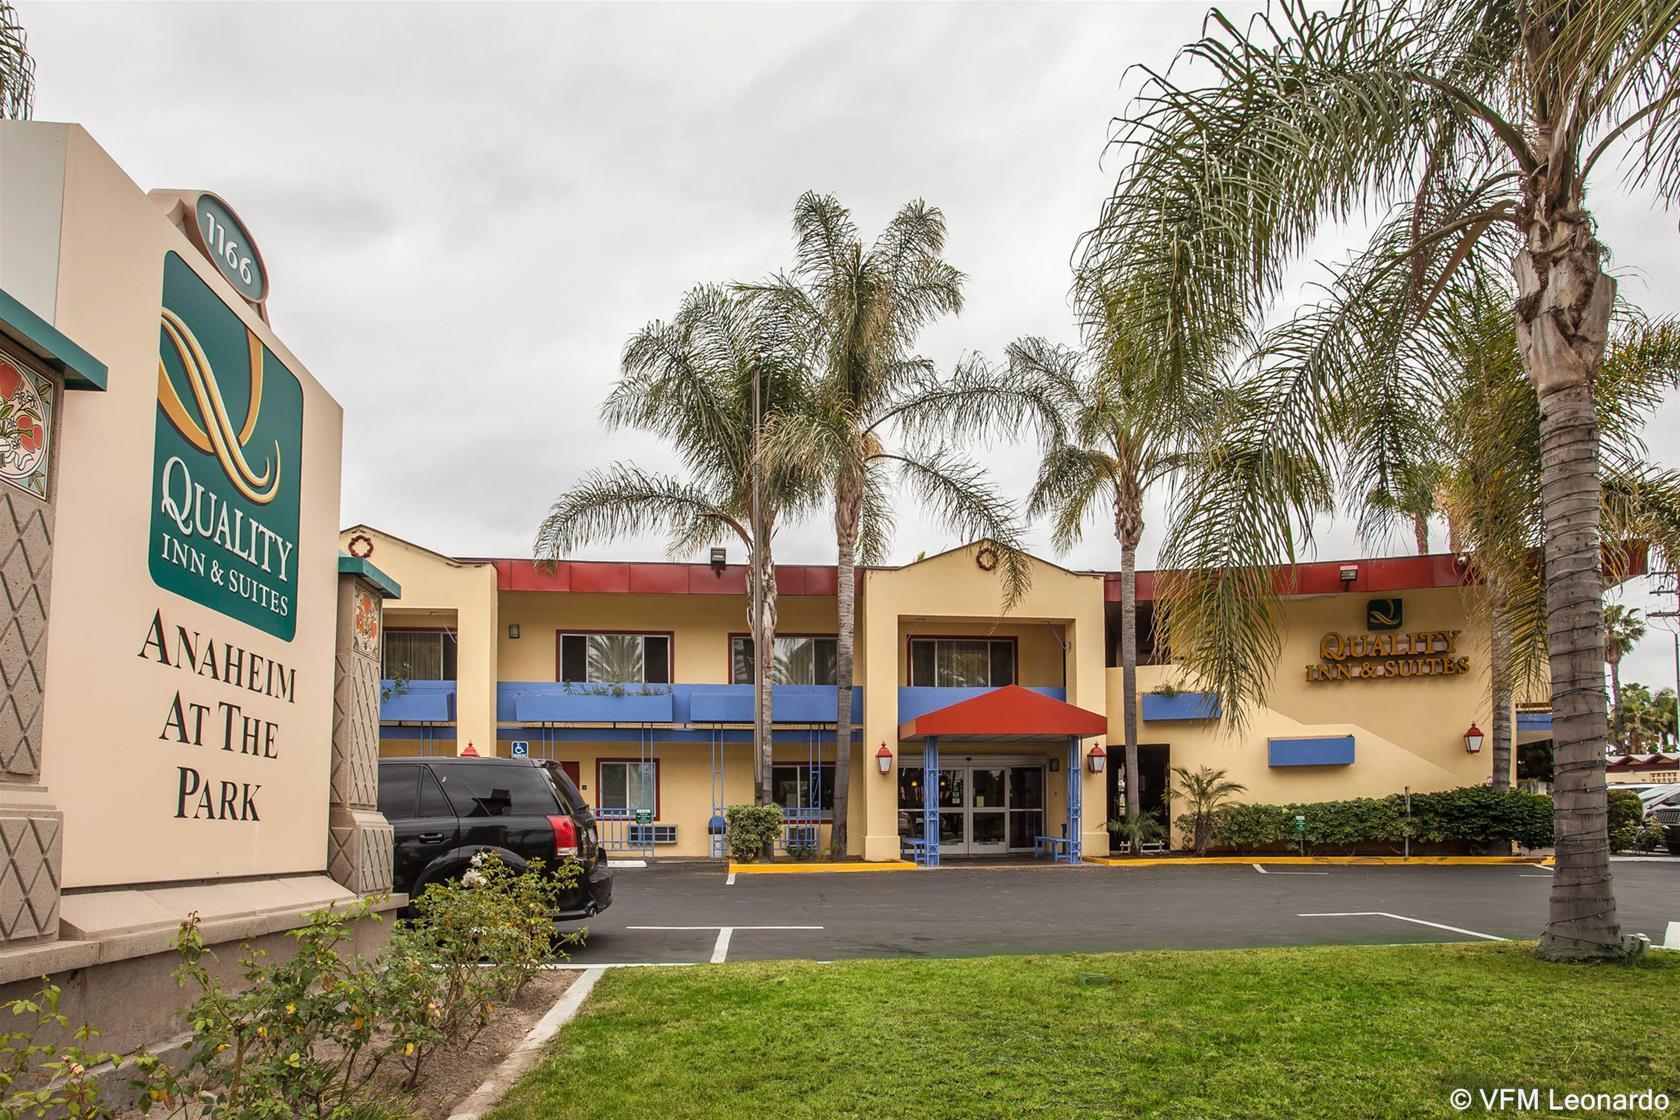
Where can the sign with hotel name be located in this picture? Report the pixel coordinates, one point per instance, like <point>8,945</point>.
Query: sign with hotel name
<point>226,461</point>
<point>1384,653</point>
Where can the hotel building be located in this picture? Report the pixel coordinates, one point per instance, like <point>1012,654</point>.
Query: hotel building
<point>636,679</point>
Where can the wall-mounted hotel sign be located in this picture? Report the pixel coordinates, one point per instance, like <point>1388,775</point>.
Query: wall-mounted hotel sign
<point>1383,653</point>
<point>226,463</point>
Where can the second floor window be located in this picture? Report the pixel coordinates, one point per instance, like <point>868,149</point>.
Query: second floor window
<point>962,662</point>
<point>616,658</point>
<point>799,660</point>
<point>418,655</point>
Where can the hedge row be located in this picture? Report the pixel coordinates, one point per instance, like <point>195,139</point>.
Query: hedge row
<point>1472,815</point>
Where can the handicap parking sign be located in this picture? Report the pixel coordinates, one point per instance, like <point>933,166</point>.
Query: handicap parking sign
<point>521,749</point>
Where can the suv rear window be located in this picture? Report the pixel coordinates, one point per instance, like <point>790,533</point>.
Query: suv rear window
<point>480,790</point>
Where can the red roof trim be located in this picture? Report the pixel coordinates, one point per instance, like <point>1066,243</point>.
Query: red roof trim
<point>1011,710</point>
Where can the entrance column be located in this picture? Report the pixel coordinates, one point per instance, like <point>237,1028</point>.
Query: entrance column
<point>1075,801</point>
<point>930,798</point>
<point>359,839</point>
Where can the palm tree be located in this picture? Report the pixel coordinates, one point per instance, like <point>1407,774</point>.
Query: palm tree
<point>863,309</point>
<point>17,68</point>
<point>1623,628</point>
<point>1486,118</point>
<point>692,381</point>
<point>1204,790</point>
<point>1106,444</point>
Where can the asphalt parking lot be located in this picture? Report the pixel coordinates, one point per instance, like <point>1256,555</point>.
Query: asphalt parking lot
<point>691,913</point>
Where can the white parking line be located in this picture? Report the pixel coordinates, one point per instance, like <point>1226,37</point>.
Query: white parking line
<point>730,882</point>
<point>720,948</point>
<point>1402,918</point>
<point>1263,871</point>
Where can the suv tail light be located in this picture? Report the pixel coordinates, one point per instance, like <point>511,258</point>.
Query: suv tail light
<point>565,837</point>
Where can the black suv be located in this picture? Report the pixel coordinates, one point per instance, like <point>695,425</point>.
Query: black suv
<point>446,810</point>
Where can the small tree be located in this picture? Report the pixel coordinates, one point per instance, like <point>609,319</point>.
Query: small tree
<point>1204,790</point>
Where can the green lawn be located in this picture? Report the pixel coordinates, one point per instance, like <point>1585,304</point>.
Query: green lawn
<point>1287,1033</point>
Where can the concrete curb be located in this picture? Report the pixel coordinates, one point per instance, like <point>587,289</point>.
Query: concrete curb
<point>530,1049</point>
<point>1148,862</point>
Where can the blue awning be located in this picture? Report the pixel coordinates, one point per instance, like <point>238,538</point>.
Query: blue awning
<point>416,706</point>
<point>1323,751</point>
<point>1181,705</point>
<point>1534,721</point>
<point>593,707</point>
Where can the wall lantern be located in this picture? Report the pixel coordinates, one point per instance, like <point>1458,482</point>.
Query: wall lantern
<point>1096,759</point>
<point>1473,739</point>
<point>883,760</point>
<point>720,560</point>
<point>513,630</point>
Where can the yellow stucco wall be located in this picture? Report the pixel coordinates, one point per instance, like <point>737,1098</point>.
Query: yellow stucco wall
<point>1407,731</point>
<point>700,625</point>
<point>460,595</point>
<point>949,593</point>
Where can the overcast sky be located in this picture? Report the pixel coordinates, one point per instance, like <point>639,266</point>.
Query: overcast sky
<point>466,210</point>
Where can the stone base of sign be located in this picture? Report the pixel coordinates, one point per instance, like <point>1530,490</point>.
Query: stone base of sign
<point>31,856</point>
<point>115,960</point>
<point>359,849</point>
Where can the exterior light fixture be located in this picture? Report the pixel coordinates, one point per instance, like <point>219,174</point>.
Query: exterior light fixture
<point>720,560</point>
<point>1096,759</point>
<point>883,760</point>
<point>513,629</point>
<point>1473,739</point>
<point>1349,573</point>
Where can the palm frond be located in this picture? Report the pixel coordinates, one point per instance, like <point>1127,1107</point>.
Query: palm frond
<point>961,497</point>
<point>622,499</point>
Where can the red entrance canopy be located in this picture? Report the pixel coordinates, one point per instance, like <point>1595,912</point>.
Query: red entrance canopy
<point>1010,713</point>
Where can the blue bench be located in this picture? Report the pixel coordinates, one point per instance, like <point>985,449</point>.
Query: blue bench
<point>913,848</point>
<point>1056,846</point>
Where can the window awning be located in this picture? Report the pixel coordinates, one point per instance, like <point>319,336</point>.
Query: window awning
<point>1007,715</point>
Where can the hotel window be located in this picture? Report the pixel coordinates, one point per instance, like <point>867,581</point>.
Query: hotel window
<point>804,786</point>
<point>418,655</point>
<point>962,662</point>
<point>615,658</point>
<point>628,787</point>
<point>799,660</point>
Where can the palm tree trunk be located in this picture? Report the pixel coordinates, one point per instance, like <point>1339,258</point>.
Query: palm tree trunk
<point>1128,526</point>
<point>1420,533</point>
<point>1128,670</point>
<point>763,626</point>
<point>1616,739</point>
<point>847,508</point>
<point>1563,317</point>
<point>1499,642</point>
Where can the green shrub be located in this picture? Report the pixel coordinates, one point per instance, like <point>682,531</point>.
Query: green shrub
<point>302,1039</point>
<point>1138,829</point>
<point>1649,838</point>
<point>1483,815</point>
<point>477,942</point>
<point>1472,815</point>
<point>1627,815</point>
<point>1252,825</point>
<point>751,830</point>
<point>46,1079</point>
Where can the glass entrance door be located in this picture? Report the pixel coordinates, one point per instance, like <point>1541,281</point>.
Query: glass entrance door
<point>988,806</point>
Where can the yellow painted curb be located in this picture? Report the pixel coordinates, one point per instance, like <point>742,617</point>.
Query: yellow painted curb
<point>816,868</point>
<point>1334,861</point>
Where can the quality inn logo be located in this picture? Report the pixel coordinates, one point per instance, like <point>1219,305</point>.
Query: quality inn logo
<point>225,465</point>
